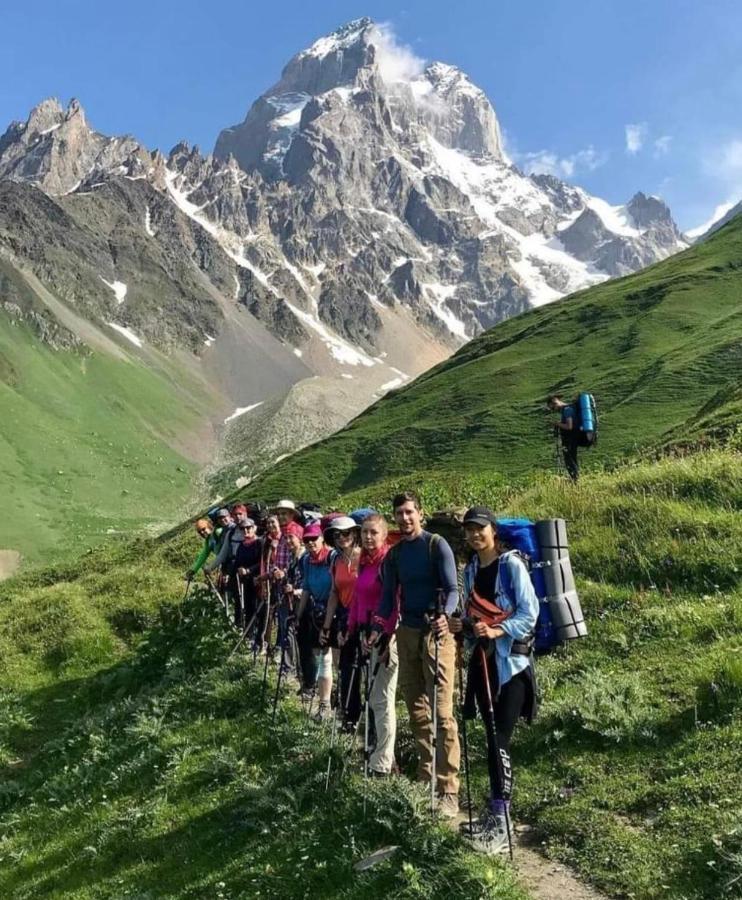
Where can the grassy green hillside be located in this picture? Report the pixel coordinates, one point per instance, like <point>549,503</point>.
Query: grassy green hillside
<point>661,350</point>
<point>87,445</point>
<point>136,760</point>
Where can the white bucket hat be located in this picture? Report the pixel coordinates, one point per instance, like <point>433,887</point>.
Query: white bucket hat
<point>342,523</point>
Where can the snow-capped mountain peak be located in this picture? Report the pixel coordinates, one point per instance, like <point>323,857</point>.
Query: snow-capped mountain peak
<point>363,186</point>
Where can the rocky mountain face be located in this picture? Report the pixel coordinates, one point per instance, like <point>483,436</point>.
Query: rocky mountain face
<point>359,224</point>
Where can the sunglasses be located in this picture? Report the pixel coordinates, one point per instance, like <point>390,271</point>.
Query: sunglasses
<point>311,540</point>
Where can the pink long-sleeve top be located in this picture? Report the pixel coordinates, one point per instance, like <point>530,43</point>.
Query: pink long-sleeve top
<point>367,595</point>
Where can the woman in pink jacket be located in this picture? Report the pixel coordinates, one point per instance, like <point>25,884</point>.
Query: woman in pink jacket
<point>363,611</point>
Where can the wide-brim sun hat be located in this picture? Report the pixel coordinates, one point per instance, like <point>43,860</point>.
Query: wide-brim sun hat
<point>285,504</point>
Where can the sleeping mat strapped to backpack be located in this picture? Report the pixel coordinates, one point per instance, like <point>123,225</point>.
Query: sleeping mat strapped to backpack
<point>543,546</point>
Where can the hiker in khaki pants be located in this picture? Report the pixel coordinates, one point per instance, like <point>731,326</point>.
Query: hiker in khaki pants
<point>420,567</point>
<point>416,649</point>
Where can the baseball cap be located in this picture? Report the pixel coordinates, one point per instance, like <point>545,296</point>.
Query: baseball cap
<point>312,530</point>
<point>480,515</point>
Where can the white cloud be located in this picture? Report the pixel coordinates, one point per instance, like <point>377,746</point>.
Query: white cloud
<point>662,145</point>
<point>635,137</point>
<point>728,164</point>
<point>546,162</point>
<point>396,61</point>
<point>721,164</point>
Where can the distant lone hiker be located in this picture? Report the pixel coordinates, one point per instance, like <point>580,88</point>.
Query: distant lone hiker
<point>566,428</point>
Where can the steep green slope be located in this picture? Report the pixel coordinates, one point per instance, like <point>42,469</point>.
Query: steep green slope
<point>135,760</point>
<point>90,444</point>
<point>661,350</point>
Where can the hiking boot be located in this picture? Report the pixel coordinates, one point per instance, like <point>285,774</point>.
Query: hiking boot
<point>323,712</point>
<point>478,824</point>
<point>493,836</point>
<point>448,805</point>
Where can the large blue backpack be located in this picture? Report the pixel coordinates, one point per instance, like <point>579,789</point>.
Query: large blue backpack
<point>521,535</point>
<point>586,423</point>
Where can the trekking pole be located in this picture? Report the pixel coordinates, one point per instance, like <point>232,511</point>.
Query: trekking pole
<point>366,749</point>
<point>216,592</point>
<point>241,595</point>
<point>502,759</point>
<point>333,733</point>
<point>465,742</point>
<point>349,696</point>
<point>434,704</point>
<point>282,639</point>
<point>268,650</point>
<point>246,630</point>
<point>189,581</point>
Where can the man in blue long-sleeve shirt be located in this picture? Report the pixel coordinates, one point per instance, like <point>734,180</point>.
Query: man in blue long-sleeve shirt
<point>420,567</point>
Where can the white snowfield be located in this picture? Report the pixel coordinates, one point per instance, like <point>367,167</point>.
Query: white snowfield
<point>128,334</point>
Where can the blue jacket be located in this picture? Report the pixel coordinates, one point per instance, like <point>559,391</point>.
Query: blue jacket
<point>523,620</point>
<point>317,579</point>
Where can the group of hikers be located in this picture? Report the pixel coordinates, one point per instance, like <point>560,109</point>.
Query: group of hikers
<point>339,595</point>
<point>358,610</point>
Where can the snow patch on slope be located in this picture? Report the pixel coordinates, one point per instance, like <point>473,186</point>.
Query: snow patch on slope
<point>615,218</point>
<point>437,296</point>
<point>241,410</point>
<point>128,334</point>
<point>118,287</point>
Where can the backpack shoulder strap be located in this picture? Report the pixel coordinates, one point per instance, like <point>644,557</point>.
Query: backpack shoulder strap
<point>435,541</point>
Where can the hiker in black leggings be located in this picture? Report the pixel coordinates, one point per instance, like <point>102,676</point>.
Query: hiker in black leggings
<point>501,609</point>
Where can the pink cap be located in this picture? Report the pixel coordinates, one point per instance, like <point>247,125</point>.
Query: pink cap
<point>314,529</point>
<point>294,528</point>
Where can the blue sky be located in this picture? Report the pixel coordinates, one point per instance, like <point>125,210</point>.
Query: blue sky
<point>615,95</point>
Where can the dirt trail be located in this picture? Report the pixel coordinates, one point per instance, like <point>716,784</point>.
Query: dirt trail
<point>9,562</point>
<point>547,879</point>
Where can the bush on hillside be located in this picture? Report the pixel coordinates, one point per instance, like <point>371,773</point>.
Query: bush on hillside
<point>615,706</point>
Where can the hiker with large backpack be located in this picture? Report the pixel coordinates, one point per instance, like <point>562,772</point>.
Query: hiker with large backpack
<point>577,427</point>
<point>316,587</point>
<point>500,614</point>
<point>345,535</point>
<point>422,568</point>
